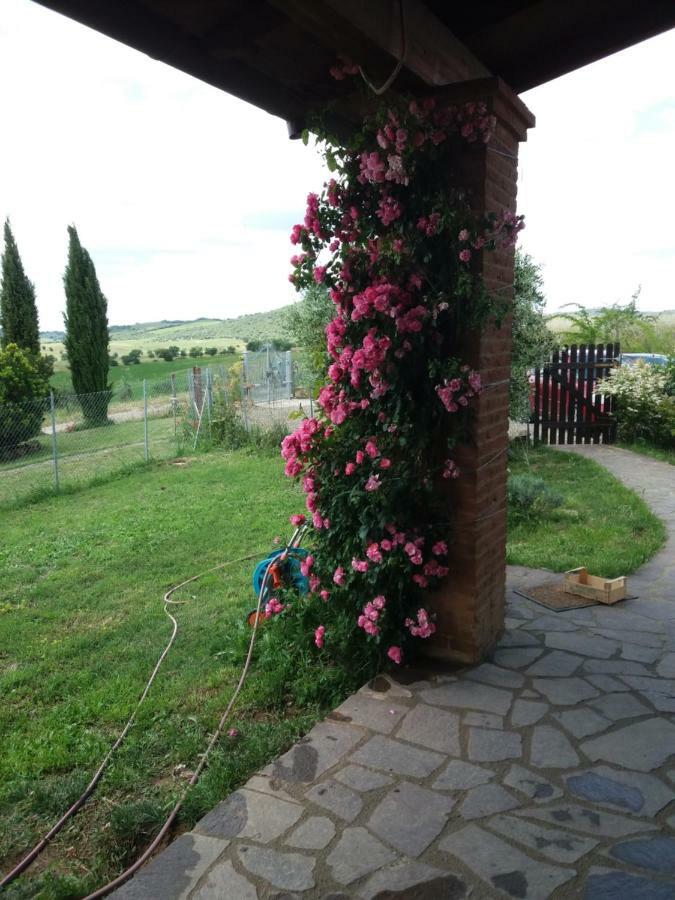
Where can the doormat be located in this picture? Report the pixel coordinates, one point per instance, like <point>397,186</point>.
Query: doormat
<point>552,596</point>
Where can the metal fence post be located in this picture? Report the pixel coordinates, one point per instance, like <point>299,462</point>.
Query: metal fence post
<point>55,452</point>
<point>244,401</point>
<point>145,419</point>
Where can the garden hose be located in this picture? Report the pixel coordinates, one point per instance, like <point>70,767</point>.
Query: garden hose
<point>30,857</point>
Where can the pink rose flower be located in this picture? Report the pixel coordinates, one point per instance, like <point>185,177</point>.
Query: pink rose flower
<point>319,635</point>
<point>339,575</point>
<point>395,655</point>
<point>297,520</point>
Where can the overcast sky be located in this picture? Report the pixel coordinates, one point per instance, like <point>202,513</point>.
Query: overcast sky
<point>185,196</point>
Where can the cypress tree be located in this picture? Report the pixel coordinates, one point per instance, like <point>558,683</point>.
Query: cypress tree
<point>86,341</point>
<point>18,312</point>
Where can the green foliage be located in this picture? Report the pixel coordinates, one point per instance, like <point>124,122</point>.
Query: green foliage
<point>124,391</point>
<point>611,324</point>
<point>530,498</point>
<point>669,384</point>
<point>18,312</point>
<point>23,389</point>
<point>254,345</point>
<point>645,411</point>
<point>211,351</point>
<point>306,321</point>
<point>533,342</point>
<point>196,351</point>
<point>86,341</point>
<point>603,525</point>
<point>132,358</point>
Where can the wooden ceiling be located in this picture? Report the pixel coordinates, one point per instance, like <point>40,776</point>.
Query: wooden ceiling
<point>276,54</point>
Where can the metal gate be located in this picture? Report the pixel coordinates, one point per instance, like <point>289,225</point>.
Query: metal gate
<point>268,375</point>
<point>565,404</point>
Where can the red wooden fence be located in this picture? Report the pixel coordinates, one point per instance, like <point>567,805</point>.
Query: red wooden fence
<point>566,408</point>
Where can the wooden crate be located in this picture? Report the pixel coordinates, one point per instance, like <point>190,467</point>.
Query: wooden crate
<point>603,590</point>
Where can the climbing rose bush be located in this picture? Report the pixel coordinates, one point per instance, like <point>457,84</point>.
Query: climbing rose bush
<point>394,242</point>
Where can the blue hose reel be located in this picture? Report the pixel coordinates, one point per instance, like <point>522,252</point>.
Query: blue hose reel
<point>291,573</point>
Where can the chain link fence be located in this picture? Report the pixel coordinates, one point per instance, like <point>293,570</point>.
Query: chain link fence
<point>69,439</point>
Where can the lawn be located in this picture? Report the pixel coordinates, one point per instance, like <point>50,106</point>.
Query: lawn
<point>602,524</point>
<point>154,370</point>
<point>81,625</point>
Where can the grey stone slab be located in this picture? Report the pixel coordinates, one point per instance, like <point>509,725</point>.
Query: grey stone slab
<point>460,776</point>
<point>642,745</point>
<point>431,727</point>
<point>385,685</point>
<point>360,779</point>
<point>640,654</point>
<point>356,854</point>
<point>582,721</point>
<point>289,871</point>
<point>566,691</point>
<point>470,695</point>
<point>517,657</point>
<point>337,798</point>
<point>483,720</point>
<point>587,821</point>
<point>410,817</point>
<point>555,664</point>
<point>486,800</point>
<point>487,745</point>
<point>265,784</point>
<point>633,792</point>
<point>249,814</point>
<point>532,785</point>
<point>528,712</point>
<point>666,667</point>
<point>550,749</point>
<point>313,834</point>
<point>547,624</point>
<point>529,694</point>
<point>607,683</point>
<point>174,873</point>
<point>393,756</point>
<point>506,869</point>
<point>665,686</point>
<point>559,846</point>
<point>620,706</point>
<point>487,673</point>
<point>318,751</point>
<point>641,638</point>
<point>612,885</point>
<point>223,880</point>
<point>517,638</point>
<point>662,702</point>
<point>614,667</point>
<point>583,644</point>
<point>622,620</point>
<point>378,715</point>
<point>414,880</point>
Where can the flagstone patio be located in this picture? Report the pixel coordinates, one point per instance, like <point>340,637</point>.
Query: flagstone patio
<point>547,772</point>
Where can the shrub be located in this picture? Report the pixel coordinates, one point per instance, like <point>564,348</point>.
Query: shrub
<point>644,411</point>
<point>529,497</point>
<point>124,391</point>
<point>227,429</point>
<point>211,351</point>
<point>24,388</point>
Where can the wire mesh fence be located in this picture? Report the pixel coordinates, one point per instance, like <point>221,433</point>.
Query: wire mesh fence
<point>62,440</point>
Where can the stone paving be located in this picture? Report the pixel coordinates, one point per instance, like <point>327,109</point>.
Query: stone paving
<point>548,771</point>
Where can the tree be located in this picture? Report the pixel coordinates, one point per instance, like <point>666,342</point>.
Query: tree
<point>86,340</point>
<point>533,342</point>
<point>306,321</point>
<point>613,324</point>
<point>196,351</point>
<point>18,312</point>
<point>211,351</point>
<point>253,345</point>
<point>23,389</point>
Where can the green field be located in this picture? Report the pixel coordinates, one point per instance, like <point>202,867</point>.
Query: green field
<point>153,370</point>
<point>602,524</point>
<point>81,625</point>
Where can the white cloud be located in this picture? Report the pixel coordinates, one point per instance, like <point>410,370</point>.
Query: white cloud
<point>185,196</point>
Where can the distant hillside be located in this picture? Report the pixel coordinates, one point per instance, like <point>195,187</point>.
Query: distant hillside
<point>262,326</point>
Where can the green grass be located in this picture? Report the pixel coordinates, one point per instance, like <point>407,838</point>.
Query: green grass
<point>81,625</point>
<point>660,453</point>
<point>602,525</point>
<point>154,370</point>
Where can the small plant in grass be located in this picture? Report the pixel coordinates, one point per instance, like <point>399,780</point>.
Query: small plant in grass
<point>530,498</point>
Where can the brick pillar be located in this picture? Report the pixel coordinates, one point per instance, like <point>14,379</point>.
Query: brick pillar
<point>470,603</point>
